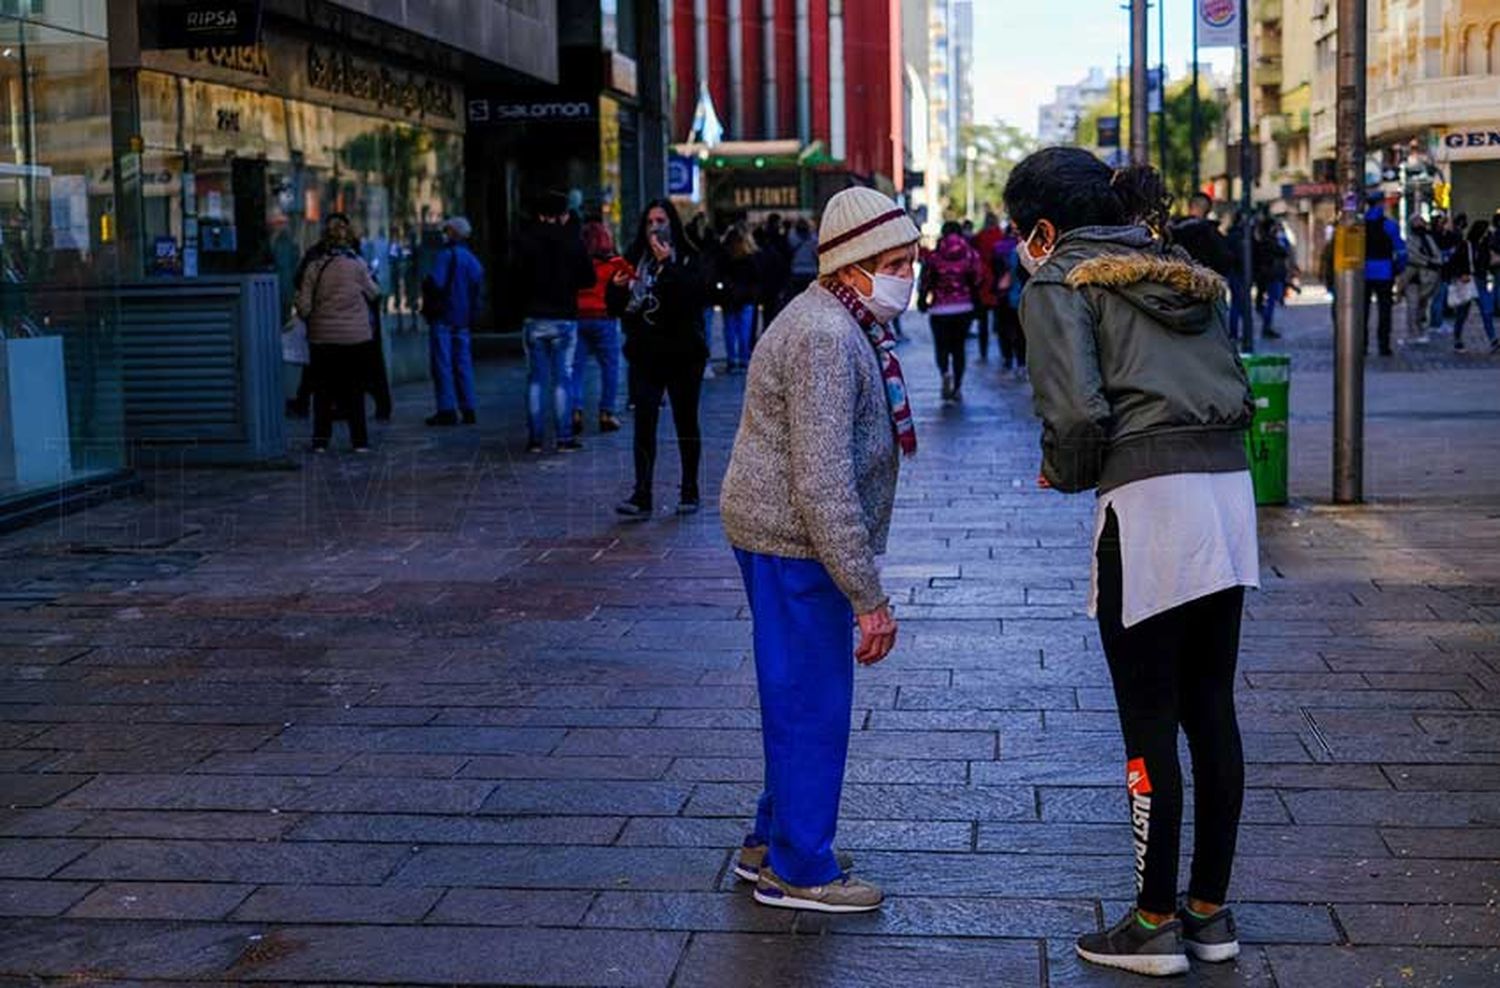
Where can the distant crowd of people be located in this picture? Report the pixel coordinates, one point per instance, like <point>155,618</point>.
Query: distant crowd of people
<point>1444,268</point>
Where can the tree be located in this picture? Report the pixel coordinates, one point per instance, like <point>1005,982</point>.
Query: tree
<point>1000,146</point>
<point>1179,103</point>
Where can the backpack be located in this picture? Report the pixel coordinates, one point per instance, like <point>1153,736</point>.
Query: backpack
<point>434,303</point>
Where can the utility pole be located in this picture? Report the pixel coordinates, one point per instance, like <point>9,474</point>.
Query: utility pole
<point>1161,83</point>
<point>1140,123</point>
<point>1193,124</point>
<point>1247,226</point>
<point>1349,261</point>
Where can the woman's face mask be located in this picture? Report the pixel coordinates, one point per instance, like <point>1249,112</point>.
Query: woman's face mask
<point>1028,260</point>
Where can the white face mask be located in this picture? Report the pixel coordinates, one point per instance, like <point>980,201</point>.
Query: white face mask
<point>888,297</point>
<point>1027,259</point>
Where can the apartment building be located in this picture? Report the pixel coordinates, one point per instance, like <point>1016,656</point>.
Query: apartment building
<point>1433,102</point>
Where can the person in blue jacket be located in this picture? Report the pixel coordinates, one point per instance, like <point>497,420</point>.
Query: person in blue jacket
<point>1385,258</point>
<point>457,276</point>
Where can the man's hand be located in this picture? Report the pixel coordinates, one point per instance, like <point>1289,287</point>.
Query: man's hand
<point>877,635</point>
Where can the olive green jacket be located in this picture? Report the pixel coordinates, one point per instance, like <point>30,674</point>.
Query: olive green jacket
<point>1131,363</point>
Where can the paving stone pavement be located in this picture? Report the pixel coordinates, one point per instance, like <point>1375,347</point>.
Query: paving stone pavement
<point>434,717</point>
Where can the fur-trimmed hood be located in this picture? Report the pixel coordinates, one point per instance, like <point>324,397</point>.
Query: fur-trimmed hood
<point>1121,270</point>
<point>1169,287</point>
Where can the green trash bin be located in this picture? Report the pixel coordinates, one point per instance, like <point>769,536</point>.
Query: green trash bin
<point>1266,442</point>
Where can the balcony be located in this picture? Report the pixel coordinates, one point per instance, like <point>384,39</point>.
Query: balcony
<point>1402,108</point>
<point>1268,11</point>
<point>1267,72</point>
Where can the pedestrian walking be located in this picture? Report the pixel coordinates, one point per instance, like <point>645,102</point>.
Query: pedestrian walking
<point>774,263</point>
<point>804,263</point>
<point>1012,280</point>
<point>1448,238</point>
<point>1239,279</point>
<point>1385,258</point>
<point>1271,253</point>
<point>334,301</point>
<point>950,283</point>
<point>1424,266</point>
<point>552,267</point>
<point>1467,272</point>
<point>377,378</point>
<point>703,240</point>
<point>1198,234</point>
<point>806,504</point>
<point>986,297</point>
<point>598,331</point>
<point>661,308</point>
<point>450,301</point>
<point>1143,400</point>
<point>745,267</point>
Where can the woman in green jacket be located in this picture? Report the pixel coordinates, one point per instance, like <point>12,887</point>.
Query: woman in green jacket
<point>1143,400</point>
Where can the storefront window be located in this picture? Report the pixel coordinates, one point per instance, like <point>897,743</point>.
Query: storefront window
<point>61,403</point>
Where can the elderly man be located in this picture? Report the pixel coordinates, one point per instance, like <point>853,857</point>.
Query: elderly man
<point>1423,272</point>
<point>450,303</point>
<point>807,504</point>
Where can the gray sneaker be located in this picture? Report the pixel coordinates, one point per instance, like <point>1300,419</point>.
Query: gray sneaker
<point>1129,946</point>
<point>1214,939</point>
<point>842,895</point>
<point>752,858</point>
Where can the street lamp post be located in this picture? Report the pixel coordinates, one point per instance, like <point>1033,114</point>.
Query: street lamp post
<point>971,153</point>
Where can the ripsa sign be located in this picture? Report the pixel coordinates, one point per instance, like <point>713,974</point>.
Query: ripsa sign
<point>1469,143</point>
<point>201,23</point>
<point>219,19</point>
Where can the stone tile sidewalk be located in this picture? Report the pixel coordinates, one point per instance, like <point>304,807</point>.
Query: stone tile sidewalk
<point>434,717</point>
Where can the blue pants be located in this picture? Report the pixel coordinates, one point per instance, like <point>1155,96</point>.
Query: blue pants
<point>452,366</point>
<point>549,354</point>
<point>739,323</point>
<point>1274,294</point>
<point>1485,303</point>
<point>1439,305</point>
<point>1237,291</point>
<point>601,339</point>
<point>804,667</point>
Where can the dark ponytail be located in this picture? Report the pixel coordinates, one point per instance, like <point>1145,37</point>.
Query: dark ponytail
<point>1073,189</point>
<point>1143,196</point>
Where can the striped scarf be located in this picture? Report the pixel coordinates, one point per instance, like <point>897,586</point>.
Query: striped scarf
<point>890,368</point>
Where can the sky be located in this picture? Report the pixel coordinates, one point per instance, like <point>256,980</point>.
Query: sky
<point>1025,48</point>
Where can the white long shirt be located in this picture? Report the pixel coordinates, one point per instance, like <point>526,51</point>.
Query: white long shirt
<point>1182,536</point>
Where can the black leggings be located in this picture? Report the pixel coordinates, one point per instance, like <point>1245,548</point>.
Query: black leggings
<point>1176,668</point>
<point>1012,340</point>
<point>682,383</point>
<point>950,338</point>
<point>338,374</point>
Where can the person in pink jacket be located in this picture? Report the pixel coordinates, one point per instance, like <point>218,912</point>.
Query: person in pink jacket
<point>951,278</point>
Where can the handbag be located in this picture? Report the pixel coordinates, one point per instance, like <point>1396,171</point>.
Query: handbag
<point>1462,292</point>
<point>295,348</point>
<point>435,298</point>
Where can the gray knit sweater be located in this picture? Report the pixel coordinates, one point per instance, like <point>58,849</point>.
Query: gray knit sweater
<point>813,473</point>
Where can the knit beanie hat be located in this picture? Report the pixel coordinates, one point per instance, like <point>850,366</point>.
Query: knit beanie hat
<point>860,223</point>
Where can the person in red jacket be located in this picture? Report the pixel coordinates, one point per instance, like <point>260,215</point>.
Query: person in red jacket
<point>988,297</point>
<point>598,331</point>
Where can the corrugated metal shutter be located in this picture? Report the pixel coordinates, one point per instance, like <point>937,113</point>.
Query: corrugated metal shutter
<point>182,366</point>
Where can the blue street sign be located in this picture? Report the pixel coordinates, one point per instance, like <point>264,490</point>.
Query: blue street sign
<point>682,175</point>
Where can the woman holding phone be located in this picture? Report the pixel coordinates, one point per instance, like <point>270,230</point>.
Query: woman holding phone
<point>659,300</point>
